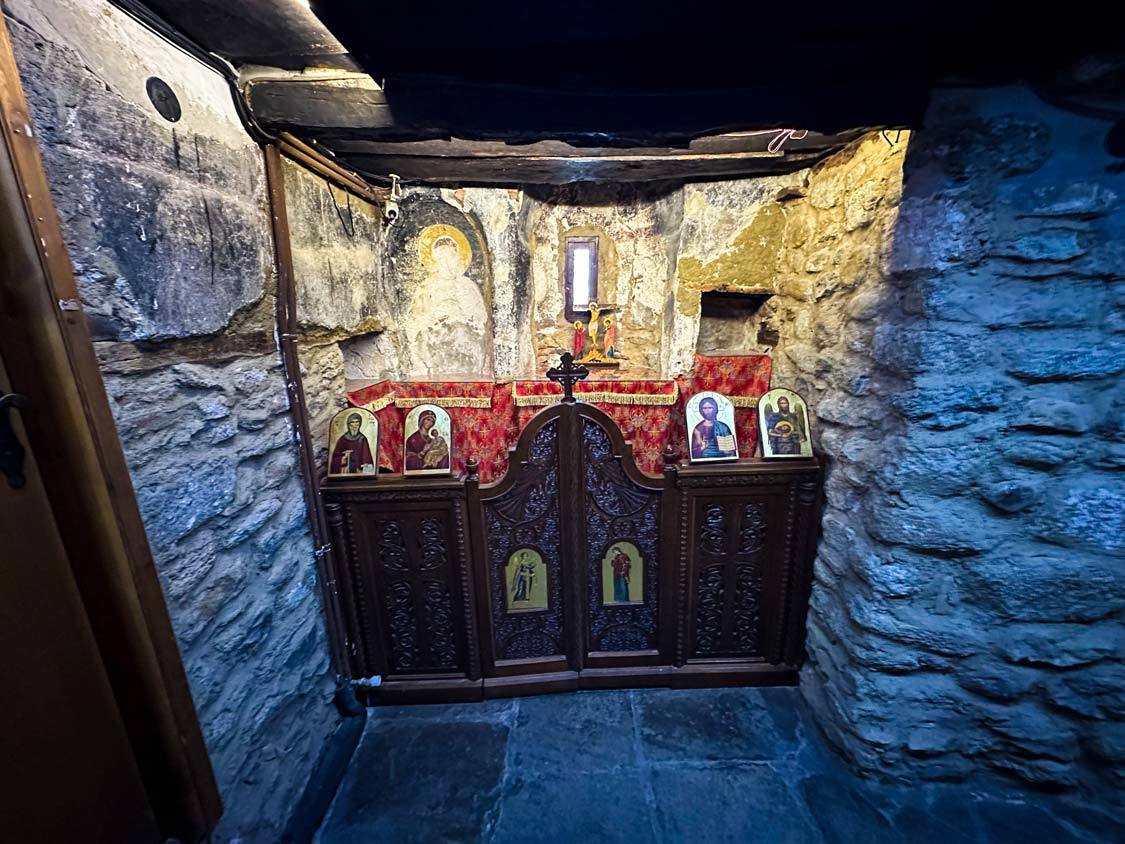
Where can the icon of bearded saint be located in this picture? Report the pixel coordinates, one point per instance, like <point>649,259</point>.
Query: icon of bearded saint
<point>711,437</point>
<point>785,428</point>
<point>352,452</point>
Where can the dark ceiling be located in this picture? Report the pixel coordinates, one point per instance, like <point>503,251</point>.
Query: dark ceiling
<point>511,92</point>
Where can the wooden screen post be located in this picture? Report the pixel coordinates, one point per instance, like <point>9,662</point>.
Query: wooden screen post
<point>287,339</point>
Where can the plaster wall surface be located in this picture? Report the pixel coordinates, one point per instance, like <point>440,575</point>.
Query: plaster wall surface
<point>168,229</point>
<point>344,300</point>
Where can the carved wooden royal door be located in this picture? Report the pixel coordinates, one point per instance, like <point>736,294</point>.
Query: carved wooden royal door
<point>570,547</point>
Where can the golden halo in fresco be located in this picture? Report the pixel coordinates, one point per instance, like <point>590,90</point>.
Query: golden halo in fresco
<point>431,235</point>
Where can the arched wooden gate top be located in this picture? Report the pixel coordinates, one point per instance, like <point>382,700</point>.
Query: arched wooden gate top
<point>569,417</point>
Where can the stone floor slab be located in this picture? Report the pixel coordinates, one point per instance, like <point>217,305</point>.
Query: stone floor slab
<point>697,725</point>
<point>563,807</point>
<point>416,780</point>
<point>737,803</point>
<point>670,766</point>
<point>843,814</point>
<point>578,732</point>
<point>502,710</point>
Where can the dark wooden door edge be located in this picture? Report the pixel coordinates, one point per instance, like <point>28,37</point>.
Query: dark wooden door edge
<point>46,341</point>
<point>714,674</point>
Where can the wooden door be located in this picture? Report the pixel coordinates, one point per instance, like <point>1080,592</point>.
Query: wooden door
<point>79,466</point>
<point>70,772</point>
<point>572,499</point>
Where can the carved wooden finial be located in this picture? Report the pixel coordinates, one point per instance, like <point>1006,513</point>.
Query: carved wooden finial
<point>472,465</point>
<point>568,373</point>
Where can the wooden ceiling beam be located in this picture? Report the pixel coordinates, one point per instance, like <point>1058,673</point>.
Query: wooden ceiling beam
<point>350,120</point>
<point>526,170</point>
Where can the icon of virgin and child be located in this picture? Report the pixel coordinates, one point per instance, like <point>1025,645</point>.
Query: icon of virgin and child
<point>427,450</point>
<point>712,438</point>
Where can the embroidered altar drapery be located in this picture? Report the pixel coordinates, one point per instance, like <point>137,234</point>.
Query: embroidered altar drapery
<point>482,414</point>
<point>487,416</point>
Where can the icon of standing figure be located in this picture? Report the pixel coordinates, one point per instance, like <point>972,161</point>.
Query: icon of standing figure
<point>526,581</point>
<point>622,575</point>
<point>784,421</point>
<point>621,566</point>
<point>353,437</point>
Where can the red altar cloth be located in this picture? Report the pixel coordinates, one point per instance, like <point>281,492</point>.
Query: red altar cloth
<point>481,412</point>
<point>487,417</point>
<point>649,413</point>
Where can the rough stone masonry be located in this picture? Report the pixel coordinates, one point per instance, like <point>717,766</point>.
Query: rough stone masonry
<point>969,597</point>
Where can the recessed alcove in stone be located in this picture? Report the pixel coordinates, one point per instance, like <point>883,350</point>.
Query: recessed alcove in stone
<point>731,324</point>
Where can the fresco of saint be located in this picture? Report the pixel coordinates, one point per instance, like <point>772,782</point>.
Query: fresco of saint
<point>447,317</point>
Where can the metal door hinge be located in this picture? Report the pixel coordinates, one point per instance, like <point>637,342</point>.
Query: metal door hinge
<point>11,450</point>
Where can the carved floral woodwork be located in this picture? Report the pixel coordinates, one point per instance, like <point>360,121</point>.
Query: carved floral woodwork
<point>527,516</point>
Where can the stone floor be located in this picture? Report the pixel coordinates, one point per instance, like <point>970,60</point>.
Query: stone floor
<point>713,765</point>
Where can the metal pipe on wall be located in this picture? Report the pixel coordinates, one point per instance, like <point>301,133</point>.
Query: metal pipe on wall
<point>287,342</point>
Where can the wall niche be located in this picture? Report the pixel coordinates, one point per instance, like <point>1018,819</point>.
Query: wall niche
<point>735,324</point>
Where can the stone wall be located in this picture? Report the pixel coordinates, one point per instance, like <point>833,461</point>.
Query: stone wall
<point>661,247</point>
<point>168,229</point>
<point>638,228</point>
<point>342,295</point>
<point>967,614</point>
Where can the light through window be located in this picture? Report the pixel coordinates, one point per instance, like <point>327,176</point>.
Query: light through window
<point>581,274</point>
<point>580,283</point>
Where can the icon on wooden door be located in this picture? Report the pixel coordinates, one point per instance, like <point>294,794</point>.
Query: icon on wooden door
<point>622,575</point>
<point>526,581</point>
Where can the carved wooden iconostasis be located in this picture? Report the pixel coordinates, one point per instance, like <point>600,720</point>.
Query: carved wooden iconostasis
<point>567,547</point>
<point>576,569</point>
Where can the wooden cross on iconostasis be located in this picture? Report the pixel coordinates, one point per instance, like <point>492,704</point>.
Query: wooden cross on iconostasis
<point>568,373</point>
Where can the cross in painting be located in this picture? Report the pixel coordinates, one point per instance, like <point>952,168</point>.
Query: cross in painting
<point>568,373</point>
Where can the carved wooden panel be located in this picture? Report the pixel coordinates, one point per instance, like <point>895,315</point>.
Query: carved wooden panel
<point>527,516</point>
<point>728,588</point>
<point>419,584</point>
<point>618,510</point>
